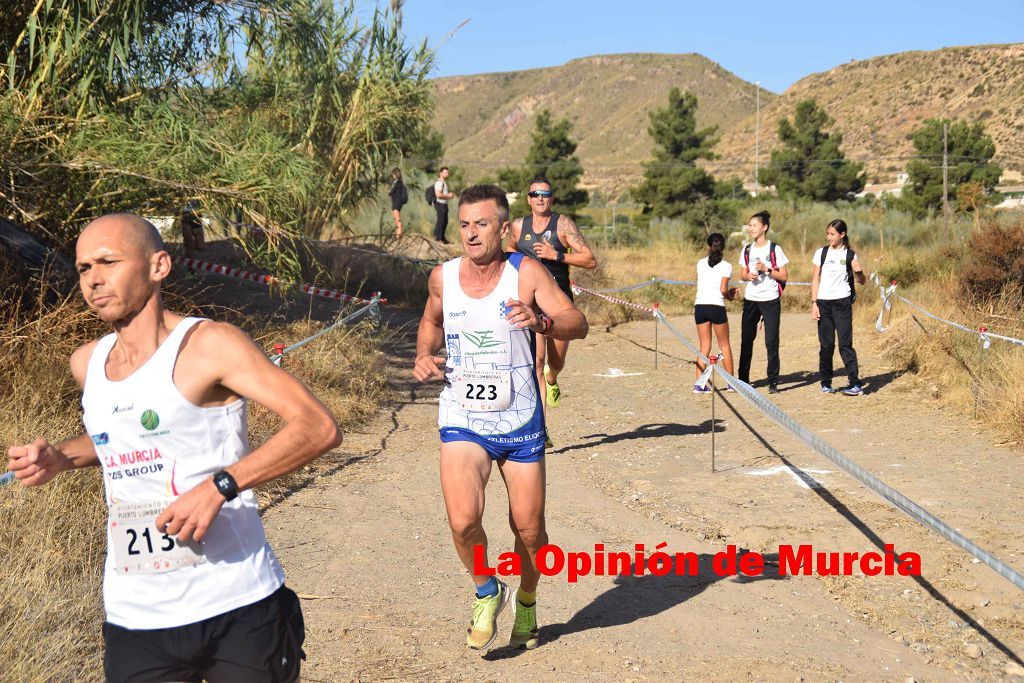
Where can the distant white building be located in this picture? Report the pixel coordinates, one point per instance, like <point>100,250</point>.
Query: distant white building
<point>880,189</point>
<point>1013,197</point>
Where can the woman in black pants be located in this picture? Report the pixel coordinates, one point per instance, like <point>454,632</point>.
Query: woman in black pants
<point>832,294</point>
<point>763,266</point>
<point>399,196</point>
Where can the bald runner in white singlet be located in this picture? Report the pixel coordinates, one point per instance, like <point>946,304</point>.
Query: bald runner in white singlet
<point>192,590</point>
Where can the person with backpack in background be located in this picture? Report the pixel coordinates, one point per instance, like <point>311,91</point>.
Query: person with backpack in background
<point>399,198</point>
<point>438,195</point>
<point>763,268</point>
<point>713,273</point>
<point>832,296</point>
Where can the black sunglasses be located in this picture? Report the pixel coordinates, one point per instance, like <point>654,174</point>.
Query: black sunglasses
<point>539,193</point>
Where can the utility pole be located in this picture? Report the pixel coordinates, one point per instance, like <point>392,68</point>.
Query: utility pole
<point>757,141</point>
<point>945,178</point>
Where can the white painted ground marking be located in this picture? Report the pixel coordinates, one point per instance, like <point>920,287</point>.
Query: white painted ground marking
<point>615,372</point>
<point>782,469</point>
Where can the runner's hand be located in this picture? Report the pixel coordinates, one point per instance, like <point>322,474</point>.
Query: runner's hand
<point>192,513</point>
<point>428,368</point>
<point>545,251</point>
<point>36,463</point>
<point>523,316</point>
<point>815,313</point>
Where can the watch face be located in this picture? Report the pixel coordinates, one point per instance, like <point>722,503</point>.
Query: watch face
<point>225,483</point>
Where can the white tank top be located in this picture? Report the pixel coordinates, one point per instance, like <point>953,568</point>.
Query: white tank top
<point>155,445</point>
<point>478,337</point>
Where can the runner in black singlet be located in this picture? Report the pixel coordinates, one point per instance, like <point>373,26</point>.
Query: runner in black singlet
<point>556,242</point>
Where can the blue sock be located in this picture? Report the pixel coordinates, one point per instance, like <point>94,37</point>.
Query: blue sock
<point>489,589</point>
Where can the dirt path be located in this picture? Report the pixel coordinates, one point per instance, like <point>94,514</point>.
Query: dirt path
<point>387,598</point>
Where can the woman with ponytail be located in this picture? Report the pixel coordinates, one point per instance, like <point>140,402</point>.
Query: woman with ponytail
<point>832,296</point>
<point>713,273</point>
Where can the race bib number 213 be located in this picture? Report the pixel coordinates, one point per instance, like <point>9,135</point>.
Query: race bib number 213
<point>140,548</point>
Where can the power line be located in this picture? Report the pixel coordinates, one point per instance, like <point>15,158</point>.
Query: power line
<point>719,163</point>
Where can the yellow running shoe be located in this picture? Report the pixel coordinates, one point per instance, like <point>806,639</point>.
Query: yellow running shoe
<point>548,443</point>
<point>554,394</point>
<point>484,628</point>
<point>524,631</point>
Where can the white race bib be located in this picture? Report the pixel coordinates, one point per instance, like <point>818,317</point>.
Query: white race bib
<point>140,548</point>
<point>483,390</point>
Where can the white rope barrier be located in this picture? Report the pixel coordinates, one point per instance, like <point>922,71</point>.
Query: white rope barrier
<point>985,337</point>
<point>371,308</point>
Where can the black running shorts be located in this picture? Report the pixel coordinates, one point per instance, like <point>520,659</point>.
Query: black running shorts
<point>706,313</point>
<point>258,643</point>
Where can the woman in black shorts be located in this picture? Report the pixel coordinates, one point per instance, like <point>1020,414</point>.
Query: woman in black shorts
<point>713,273</point>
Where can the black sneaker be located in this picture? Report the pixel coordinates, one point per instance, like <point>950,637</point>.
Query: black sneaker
<point>773,388</point>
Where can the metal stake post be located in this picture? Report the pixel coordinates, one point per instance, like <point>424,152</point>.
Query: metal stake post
<point>975,388</point>
<point>711,379</point>
<point>656,307</point>
<point>888,318</point>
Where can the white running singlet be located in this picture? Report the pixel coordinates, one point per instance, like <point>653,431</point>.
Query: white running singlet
<point>155,445</point>
<point>479,339</point>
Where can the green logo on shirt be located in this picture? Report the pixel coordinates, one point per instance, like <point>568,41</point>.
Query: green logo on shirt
<point>482,339</point>
<point>150,420</point>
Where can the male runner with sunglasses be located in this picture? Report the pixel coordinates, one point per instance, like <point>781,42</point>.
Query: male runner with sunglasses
<point>549,237</point>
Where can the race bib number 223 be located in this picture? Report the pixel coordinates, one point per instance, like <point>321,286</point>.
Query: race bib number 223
<point>483,390</point>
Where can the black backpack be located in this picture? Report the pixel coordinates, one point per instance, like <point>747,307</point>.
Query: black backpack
<point>771,260</point>
<point>850,254</point>
<point>430,195</point>
<point>403,194</point>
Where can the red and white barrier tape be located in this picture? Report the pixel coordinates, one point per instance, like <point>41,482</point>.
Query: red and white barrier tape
<point>622,302</point>
<point>268,280</point>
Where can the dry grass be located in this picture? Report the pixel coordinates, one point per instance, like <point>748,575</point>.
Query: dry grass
<point>52,539</point>
<point>966,378</point>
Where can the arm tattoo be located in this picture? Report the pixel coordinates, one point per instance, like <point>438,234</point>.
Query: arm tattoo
<point>567,229</point>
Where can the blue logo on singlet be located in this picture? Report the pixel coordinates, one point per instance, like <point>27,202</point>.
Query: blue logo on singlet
<point>101,439</point>
<point>454,349</point>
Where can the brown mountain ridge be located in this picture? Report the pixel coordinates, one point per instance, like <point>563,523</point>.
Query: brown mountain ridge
<point>487,119</point>
<point>877,103</point>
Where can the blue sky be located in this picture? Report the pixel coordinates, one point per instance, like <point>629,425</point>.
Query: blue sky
<point>775,43</point>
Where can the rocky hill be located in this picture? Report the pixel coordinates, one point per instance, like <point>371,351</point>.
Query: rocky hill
<point>878,103</point>
<point>487,119</point>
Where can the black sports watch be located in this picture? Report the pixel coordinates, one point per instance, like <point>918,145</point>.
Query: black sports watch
<point>226,484</point>
<point>560,256</point>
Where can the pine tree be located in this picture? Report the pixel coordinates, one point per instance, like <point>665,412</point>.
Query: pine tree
<point>673,184</point>
<point>970,151</point>
<point>552,155</point>
<point>809,162</point>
